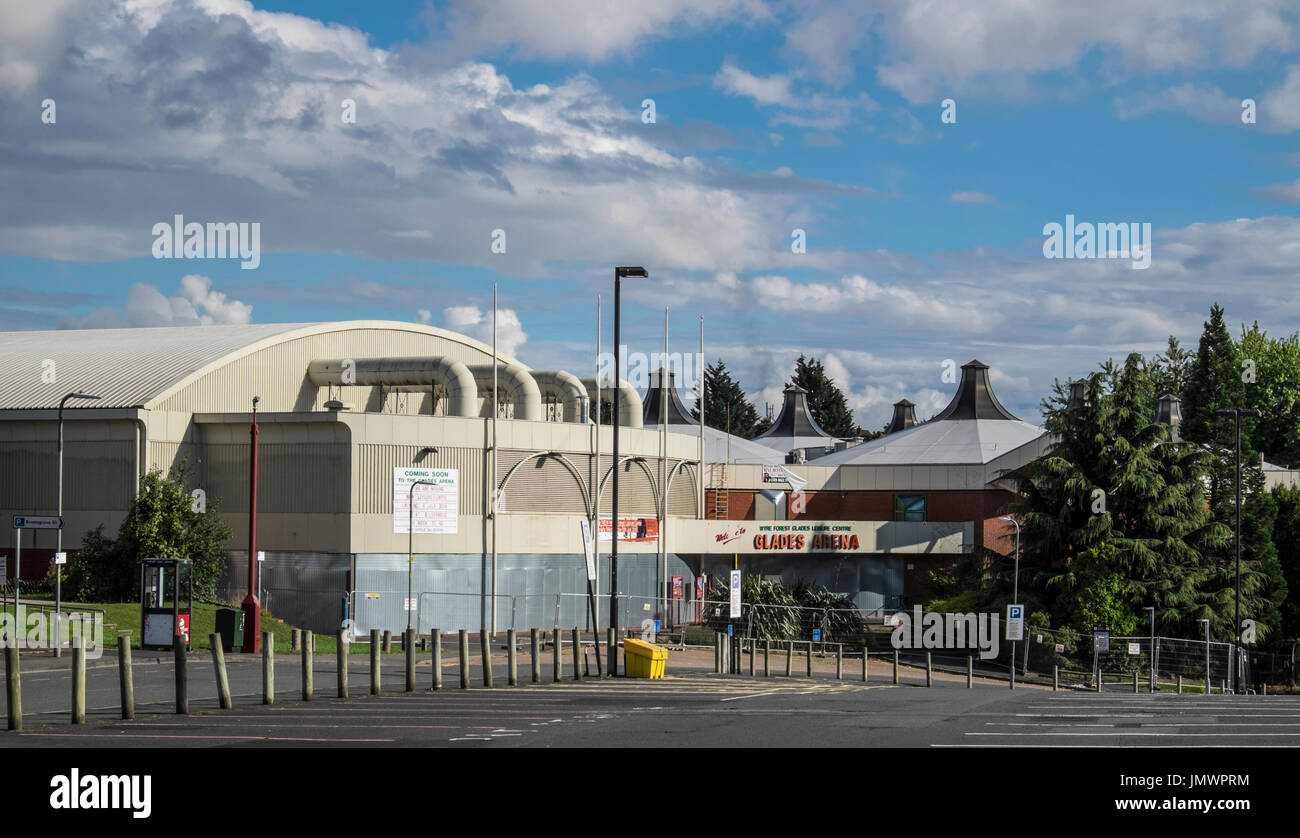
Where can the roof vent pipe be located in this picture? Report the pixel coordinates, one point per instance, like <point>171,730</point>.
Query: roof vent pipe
<point>904,416</point>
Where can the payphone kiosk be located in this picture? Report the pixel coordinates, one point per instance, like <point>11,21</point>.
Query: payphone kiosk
<point>166,597</point>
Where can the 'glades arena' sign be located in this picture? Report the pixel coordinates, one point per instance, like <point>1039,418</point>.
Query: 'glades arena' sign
<point>794,537</point>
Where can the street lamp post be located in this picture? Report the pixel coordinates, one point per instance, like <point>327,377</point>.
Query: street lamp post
<point>58,568</point>
<point>410,544</point>
<point>1015,595</point>
<point>636,272</point>
<point>1237,413</point>
<point>251,607</point>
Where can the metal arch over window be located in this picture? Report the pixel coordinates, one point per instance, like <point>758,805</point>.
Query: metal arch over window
<point>566,462</point>
<point>641,461</point>
<point>909,507</point>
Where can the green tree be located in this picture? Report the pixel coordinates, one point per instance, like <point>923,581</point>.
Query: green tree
<point>1272,385</point>
<point>1105,596</point>
<point>726,406</point>
<point>826,402</point>
<point>163,522</point>
<point>1286,541</point>
<point>1169,369</point>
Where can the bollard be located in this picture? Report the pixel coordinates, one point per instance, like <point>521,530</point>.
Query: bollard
<point>308,685</point>
<point>577,665</point>
<point>13,685</point>
<point>767,663</point>
<point>295,640</point>
<point>839,662</point>
<point>268,668</point>
<point>865,657</point>
<point>1223,686</point>
<point>789,656</point>
<point>611,643</point>
<point>78,681</point>
<point>809,658</point>
<point>896,667</point>
<point>341,660</point>
<point>752,652</point>
<point>464,659</point>
<point>534,637</point>
<point>1180,683</point>
<point>512,662</point>
<point>1207,682</point>
<point>1135,682</point>
<point>126,682</point>
<point>1056,678</point>
<point>929,671</point>
<point>970,672</point>
<point>485,647</point>
<point>182,676</point>
<point>376,669</point>
<point>557,665</point>
<point>218,666</point>
<point>1099,679</point>
<point>717,652</point>
<point>388,641</point>
<point>408,645</point>
<point>435,643</point>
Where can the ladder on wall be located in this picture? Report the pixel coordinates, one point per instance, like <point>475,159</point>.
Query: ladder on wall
<point>718,479</point>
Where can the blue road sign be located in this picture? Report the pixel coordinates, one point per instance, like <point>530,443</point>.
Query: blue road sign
<point>817,635</point>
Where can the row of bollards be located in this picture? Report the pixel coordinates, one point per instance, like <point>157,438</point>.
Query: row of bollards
<point>728,650</point>
<point>301,640</point>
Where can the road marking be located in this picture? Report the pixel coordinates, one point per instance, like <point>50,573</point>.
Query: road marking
<point>754,695</point>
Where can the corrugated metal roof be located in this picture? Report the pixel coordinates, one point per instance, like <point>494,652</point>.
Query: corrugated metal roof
<point>719,449</point>
<point>125,367</point>
<point>940,442</point>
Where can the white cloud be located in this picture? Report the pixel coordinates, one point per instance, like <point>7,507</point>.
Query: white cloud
<point>476,323</point>
<point>1204,102</point>
<point>424,316</point>
<point>973,198</point>
<point>770,90</point>
<point>1287,193</point>
<point>194,304</point>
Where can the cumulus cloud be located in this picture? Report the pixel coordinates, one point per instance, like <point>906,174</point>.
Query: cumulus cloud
<point>973,198</point>
<point>477,323</point>
<point>1204,102</point>
<point>194,304</point>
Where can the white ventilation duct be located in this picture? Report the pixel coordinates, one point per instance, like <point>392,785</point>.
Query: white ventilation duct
<point>453,375</point>
<point>629,401</point>
<point>518,384</point>
<point>568,390</point>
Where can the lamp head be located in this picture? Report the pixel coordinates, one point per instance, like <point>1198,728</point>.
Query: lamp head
<point>631,272</point>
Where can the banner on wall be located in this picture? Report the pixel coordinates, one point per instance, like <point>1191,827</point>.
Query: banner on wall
<point>630,529</point>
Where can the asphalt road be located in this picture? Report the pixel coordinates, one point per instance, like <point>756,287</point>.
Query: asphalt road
<point>691,707</point>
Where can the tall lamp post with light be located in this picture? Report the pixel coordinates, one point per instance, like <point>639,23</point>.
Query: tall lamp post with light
<point>1151,653</point>
<point>410,542</point>
<point>251,607</point>
<point>58,568</point>
<point>1236,414</point>
<point>1015,595</point>
<point>631,272</point>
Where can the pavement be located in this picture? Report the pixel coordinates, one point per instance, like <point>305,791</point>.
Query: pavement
<point>690,707</point>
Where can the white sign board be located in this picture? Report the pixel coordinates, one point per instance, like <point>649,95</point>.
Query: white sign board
<point>588,550</point>
<point>735,595</point>
<point>4,569</point>
<point>261,555</point>
<point>436,501</point>
<point>60,558</point>
<point>410,603</point>
<point>1135,648</point>
<point>1015,622</point>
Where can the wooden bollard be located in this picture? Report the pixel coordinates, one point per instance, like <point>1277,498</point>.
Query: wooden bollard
<point>577,664</point>
<point>809,658</point>
<point>268,668</point>
<point>485,646</point>
<point>895,667</point>
<point>376,667</point>
<point>717,653</point>
<point>388,641</point>
<point>1135,682</point>
<point>1100,678</point>
<point>295,640</point>
<point>611,645</point>
<point>557,663</point>
<point>512,659</point>
<point>767,662</point>
<point>535,662</point>
<point>182,676</point>
<point>341,650</point>
<point>752,654</point>
<point>78,681</point>
<point>970,672</point>
<point>308,682</point>
<point>1056,678</point>
<point>125,679</point>
<point>464,659</point>
<point>435,642</point>
<point>408,644</point>
<point>789,657</point>
<point>839,662</point>
<point>1180,683</point>
<point>219,667</point>
<point>929,670</point>
<point>866,656</point>
<point>13,684</point>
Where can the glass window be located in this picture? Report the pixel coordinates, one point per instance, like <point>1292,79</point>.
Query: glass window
<point>909,507</point>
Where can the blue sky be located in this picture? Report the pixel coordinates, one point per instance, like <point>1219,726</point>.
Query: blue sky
<point>924,238</point>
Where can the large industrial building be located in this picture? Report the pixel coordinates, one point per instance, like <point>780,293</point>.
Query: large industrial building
<point>350,414</point>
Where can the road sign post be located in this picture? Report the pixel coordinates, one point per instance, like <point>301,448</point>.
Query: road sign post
<point>28,522</point>
<point>1015,632</point>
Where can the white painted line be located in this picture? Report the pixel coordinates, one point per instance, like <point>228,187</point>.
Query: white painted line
<point>752,695</point>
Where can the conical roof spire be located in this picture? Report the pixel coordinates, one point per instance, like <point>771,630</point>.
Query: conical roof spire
<point>975,399</point>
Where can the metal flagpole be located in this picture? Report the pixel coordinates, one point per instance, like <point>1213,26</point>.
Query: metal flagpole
<point>493,496</point>
<point>594,593</point>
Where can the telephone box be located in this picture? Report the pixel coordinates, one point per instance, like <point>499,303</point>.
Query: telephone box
<point>166,598</point>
